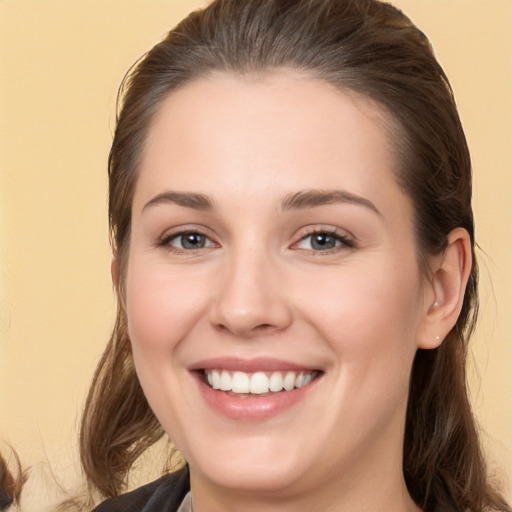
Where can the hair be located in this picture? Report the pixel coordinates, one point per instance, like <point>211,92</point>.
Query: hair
<point>368,47</point>
<point>11,482</point>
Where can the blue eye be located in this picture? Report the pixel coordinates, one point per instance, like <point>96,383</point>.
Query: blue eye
<point>190,240</point>
<point>323,241</point>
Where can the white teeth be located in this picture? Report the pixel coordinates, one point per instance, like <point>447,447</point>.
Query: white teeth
<point>240,383</point>
<point>257,383</point>
<point>275,382</point>
<point>215,383</point>
<point>289,381</point>
<point>225,381</point>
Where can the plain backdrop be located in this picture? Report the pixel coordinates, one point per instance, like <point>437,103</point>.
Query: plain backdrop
<point>61,62</point>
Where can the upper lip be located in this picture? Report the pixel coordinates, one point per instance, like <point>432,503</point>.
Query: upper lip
<point>252,365</point>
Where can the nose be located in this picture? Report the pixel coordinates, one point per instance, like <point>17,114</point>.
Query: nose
<point>251,298</point>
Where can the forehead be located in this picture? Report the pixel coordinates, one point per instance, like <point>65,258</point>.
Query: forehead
<point>266,134</point>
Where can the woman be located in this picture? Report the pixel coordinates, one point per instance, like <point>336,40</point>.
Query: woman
<point>290,209</point>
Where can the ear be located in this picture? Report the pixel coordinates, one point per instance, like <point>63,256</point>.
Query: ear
<point>448,280</point>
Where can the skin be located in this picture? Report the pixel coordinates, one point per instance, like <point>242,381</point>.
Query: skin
<point>259,288</point>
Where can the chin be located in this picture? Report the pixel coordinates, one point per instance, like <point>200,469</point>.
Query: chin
<point>252,467</point>
<point>265,478</point>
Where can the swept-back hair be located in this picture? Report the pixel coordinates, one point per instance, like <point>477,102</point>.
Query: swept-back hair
<point>373,49</point>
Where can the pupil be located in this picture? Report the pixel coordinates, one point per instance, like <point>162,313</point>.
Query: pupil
<point>323,242</point>
<point>192,240</point>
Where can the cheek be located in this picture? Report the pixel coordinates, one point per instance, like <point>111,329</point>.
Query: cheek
<point>161,306</point>
<point>353,301</point>
<point>370,319</point>
<point>163,309</point>
<point>377,348</point>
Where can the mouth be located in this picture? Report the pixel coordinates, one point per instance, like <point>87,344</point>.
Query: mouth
<point>256,389</point>
<point>262,383</point>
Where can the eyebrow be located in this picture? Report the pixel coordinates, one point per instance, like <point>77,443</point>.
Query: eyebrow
<point>311,198</point>
<point>297,201</point>
<point>186,199</point>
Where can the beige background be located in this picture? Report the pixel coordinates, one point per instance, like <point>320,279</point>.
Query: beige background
<point>60,65</point>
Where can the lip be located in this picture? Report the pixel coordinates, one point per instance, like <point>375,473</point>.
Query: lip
<point>257,364</point>
<point>249,407</point>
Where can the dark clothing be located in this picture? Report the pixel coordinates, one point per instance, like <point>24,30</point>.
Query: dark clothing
<point>162,495</point>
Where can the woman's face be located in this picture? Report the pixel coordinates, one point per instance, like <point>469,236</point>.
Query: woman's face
<point>272,253</point>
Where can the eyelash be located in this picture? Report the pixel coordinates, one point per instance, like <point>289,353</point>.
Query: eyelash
<point>166,240</point>
<point>342,242</point>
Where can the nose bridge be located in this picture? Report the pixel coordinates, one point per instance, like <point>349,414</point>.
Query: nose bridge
<point>250,298</point>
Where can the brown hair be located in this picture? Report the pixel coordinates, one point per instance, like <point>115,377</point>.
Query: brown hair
<point>11,482</point>
<point>369,47</point>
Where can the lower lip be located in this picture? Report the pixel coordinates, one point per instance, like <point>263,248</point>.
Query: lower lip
<point>252,407</point>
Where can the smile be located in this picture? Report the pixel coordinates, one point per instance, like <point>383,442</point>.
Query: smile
<point>256,389</point>
<point>257,383</point>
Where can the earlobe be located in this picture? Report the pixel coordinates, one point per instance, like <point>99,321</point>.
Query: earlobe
<point>448,281</point>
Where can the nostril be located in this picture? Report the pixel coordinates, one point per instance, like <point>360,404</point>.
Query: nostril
<point>222,328</point>
<point>244,331</point>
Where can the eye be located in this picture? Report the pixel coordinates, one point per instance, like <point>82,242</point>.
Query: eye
<point>323,241</point>
<point>188,241</point>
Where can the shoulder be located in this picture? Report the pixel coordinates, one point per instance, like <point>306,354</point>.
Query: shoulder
<point>162,495</point>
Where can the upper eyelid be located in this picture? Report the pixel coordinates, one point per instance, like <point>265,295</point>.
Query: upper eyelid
<point>179,234</point>
<point>180,230</point>
<point>319,228</point>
